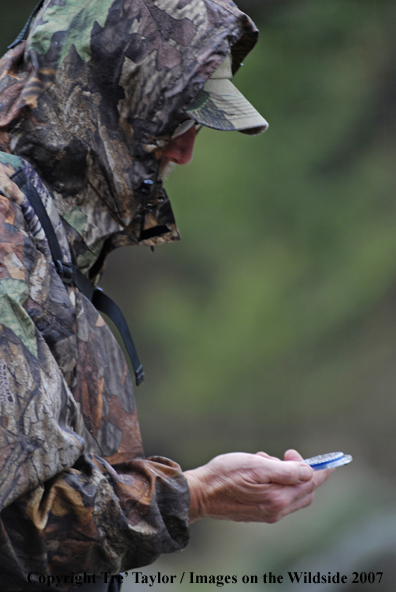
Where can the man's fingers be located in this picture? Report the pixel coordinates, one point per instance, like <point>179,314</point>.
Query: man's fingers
<point>265,455</point>
<point>301,503</point>
<point>288,473</point>
<point>293,455</point>
<point>322,476</point>
<point>283,500</point>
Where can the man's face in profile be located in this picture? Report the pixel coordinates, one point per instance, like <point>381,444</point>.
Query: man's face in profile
<point>179,151</point>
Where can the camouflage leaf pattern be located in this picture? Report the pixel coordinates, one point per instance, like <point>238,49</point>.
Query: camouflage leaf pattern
<point>87,106</point>
<point>77,493</point>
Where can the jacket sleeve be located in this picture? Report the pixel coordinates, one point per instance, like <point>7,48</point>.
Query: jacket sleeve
<point>64,509</point>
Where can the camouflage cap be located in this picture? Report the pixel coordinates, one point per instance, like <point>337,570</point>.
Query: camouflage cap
<point>221,106</point>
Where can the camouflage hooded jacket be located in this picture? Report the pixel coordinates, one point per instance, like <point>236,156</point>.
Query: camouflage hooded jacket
<point>87,105</point>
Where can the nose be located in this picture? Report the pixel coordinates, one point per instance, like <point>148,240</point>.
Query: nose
<point>180,150</point>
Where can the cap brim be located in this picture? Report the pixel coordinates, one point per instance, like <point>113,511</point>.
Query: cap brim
<point>221,106</point>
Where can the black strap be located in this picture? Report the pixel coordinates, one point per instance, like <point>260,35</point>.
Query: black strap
<point>70,274</point>
<point>106,305</point>
<point>114,585</point>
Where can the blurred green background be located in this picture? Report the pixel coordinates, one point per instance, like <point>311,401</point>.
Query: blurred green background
<point>273,323</point>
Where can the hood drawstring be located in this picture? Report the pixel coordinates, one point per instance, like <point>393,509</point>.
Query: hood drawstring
<point>146,189</point>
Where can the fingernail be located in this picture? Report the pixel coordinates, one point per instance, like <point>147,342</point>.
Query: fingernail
<point>305,472</point>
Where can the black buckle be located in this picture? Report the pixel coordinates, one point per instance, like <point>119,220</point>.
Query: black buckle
<point>65,270</point>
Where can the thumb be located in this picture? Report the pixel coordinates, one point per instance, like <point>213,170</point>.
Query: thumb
<point>290,472</point>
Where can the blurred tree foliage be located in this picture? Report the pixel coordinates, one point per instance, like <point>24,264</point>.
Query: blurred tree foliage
<point>288,241</point>
<point>266,320</point>
<point>13,16</point>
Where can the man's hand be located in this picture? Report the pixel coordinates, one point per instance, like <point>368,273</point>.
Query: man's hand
<point>252,487</point>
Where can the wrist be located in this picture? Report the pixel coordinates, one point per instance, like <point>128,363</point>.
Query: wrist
<point>195,480</point>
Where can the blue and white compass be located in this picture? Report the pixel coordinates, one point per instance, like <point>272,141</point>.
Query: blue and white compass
<point>328,461</point>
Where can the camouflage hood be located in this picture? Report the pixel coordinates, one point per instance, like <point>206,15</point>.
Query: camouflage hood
<point>92,98</point>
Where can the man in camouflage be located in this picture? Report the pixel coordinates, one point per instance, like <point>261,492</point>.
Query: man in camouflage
<point>90,109</point>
